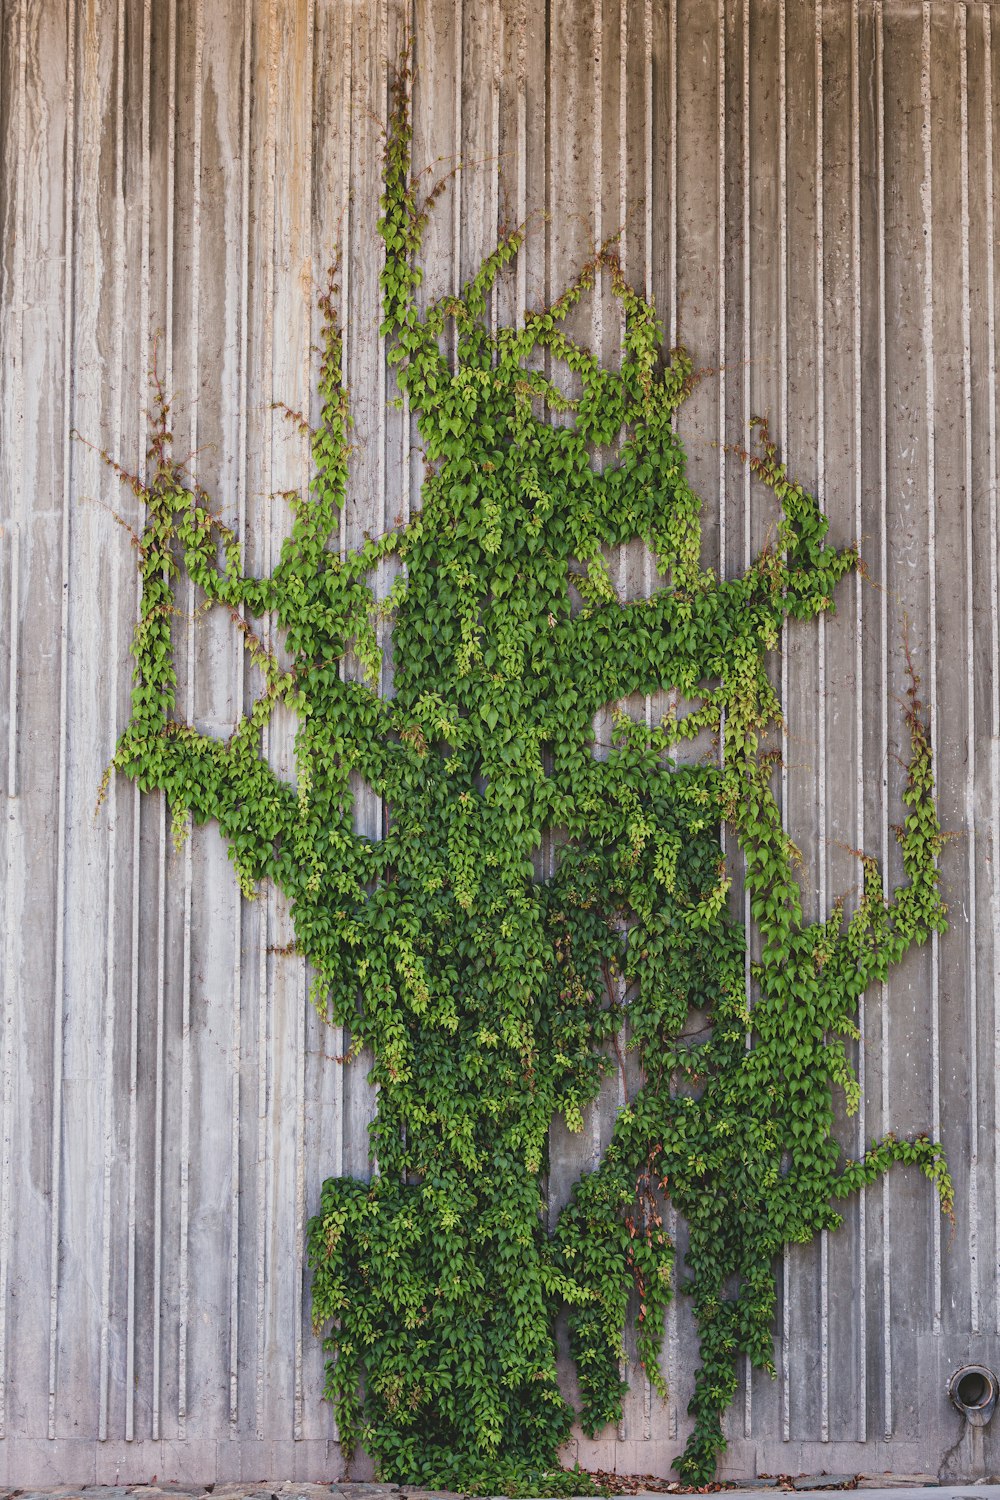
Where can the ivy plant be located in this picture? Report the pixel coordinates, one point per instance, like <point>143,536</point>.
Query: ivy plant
<point>492,987</point>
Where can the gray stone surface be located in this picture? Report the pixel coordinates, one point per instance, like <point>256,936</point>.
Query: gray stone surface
<point>820,240</point>
<point>291,1490</point>
<point>415,1494</point>
<point>899,1481</point>
<point>352,1491</point>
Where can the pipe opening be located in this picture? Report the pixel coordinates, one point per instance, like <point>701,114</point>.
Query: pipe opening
<point>973,1390</point>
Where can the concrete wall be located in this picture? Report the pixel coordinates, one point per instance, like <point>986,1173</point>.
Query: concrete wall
<point>808,187</point>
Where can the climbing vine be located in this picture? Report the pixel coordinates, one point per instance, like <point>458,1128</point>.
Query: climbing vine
<point>494,989</point>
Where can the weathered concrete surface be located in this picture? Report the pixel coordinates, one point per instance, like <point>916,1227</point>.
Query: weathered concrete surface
<point>808,188</point>
<point>346,1490</point>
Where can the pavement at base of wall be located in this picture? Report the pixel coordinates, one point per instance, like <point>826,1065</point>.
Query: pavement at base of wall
<point>876,1487</point>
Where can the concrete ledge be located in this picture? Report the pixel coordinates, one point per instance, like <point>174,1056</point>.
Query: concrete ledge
<point>809,1487</point>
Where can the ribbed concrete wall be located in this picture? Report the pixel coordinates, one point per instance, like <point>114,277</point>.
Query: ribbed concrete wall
<point>808,187</point>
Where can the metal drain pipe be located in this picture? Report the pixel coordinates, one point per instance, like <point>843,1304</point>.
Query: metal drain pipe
<point>973,1390</point>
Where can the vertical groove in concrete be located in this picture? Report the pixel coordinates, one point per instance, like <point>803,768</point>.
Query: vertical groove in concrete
<point>883,701</point>
<point>822,852</point>
<point>496,71</point>
<point>861,1405</point>
<point>597,186</point>
<point>264,242</point>
<point>673,1328</point>
<point>133,1122</point>
<point>641,46</point>
<point>159,1148</point>
<point>456,199</point>
<point>550,293</point>
<point>782,436</point>
<point>193,367</point>
<point>745,497</point>
<point>672,209</point>
<point>301,1032</point>
<point>786,1260</point>
<point>647,148</point>
<point>521,167</point>
<point>61,894</point>
<point>970,688</point>
<point>721,435</point>
<point>298,1398</point>
<point>137,926</point>
<point>600,229</point>
<point>622,226</point>
<point>239,696</point>
<point>994,576</point>
<point>111,931</point>
<point>348,144</point>
<point>597,337</point>
<point>344,240</point>
<point>747,328</point>
<point>927,208</point>
<point>159,1100</point>
<point>171,185</point>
